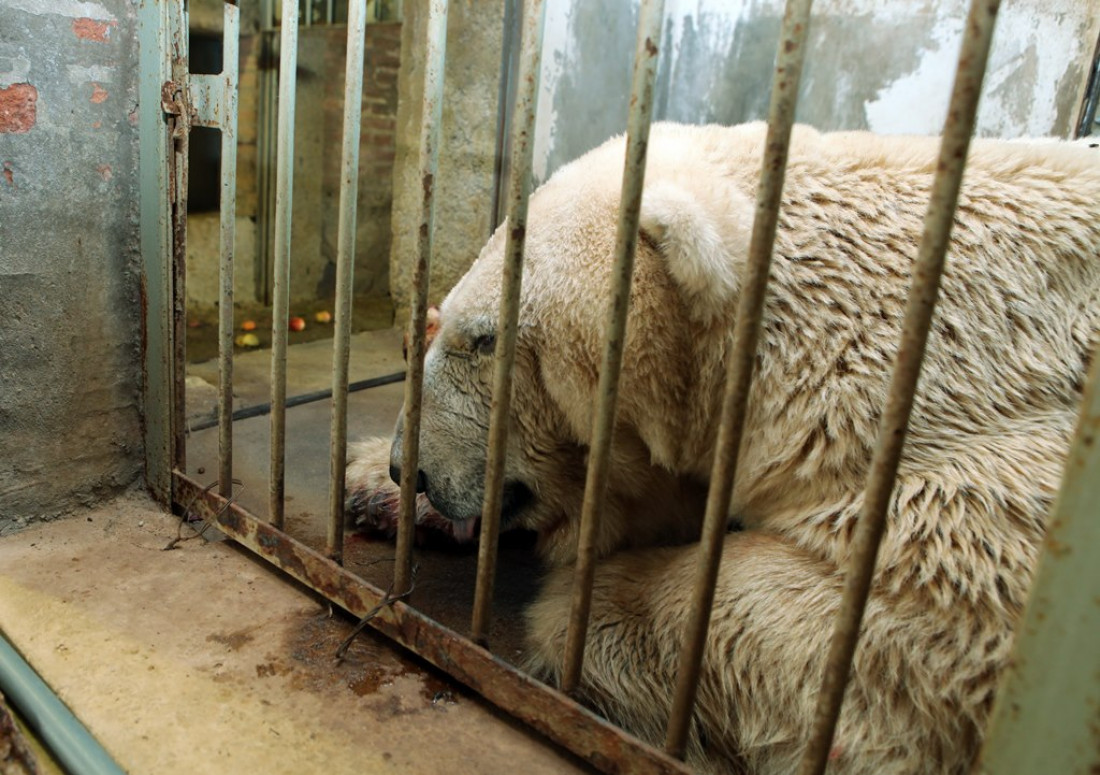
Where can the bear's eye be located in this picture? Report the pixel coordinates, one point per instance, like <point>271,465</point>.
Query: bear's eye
<point>485,344</point>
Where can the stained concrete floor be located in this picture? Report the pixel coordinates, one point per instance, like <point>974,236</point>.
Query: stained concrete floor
<point>201,659</point>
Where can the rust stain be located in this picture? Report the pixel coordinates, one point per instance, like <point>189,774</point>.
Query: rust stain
<point>9,175</point>
<point>104,171</point>
<point>18,108</point>
<point>90,29</point>
<point>97,124</point>
<point>99,94</point>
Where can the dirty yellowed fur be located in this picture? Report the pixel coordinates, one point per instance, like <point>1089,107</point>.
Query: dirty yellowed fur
<point>1017,320</point>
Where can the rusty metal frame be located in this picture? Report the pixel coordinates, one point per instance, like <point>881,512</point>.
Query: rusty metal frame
<point>206,100</point>
<point>544,709</point>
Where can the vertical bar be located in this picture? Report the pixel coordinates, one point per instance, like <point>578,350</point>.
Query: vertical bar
<point>156,246</point>
<point>181,137</point>
<point>308,13</point>
<point>284,189</point>
<point>228,218</point>
<point>265,147</point>
<point>519,190</point>
<point>923,291</point>
<point>345,267</point>
<point>330,12</point>
<point>1044,718</point>
<point>641,107</point>
<point>431,116</point>
<point>750,309</point>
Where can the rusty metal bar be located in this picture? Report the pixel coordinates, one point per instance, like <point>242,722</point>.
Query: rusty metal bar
<point>345,268</point>
<point>519,190</point>
<point>547,711</point>
<point>923,291</point>
<point>181,138</point>
<point>284,191</point>
<point>750,311</point>
<point>1044,718</point>
<point>227,121</point>
<point>431,117</point>
<point>626,239</point>
<point>155,169</point>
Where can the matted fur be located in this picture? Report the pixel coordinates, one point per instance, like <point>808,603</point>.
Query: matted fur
<point>1016,323</point>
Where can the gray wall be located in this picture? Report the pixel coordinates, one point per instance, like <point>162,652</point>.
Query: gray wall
<point>883,65</point>
<point>464,187</point>
<point>70,328</point>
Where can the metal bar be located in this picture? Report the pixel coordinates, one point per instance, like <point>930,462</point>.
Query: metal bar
<point>308,13</point>
<point>265,145</point>
<point>750,311</point>
<point>547,711</point>
<point>637,139</point>
<point>330,12</point>
<point>345,267</point>
<point>50,719</point>
<point>431,117</point>
<point>519,190</point>
<point>923,291</point>
<point>509,76</point>
<point>156,247</point>
<point>181,136</point>
<point>284,190</point>
<point>259,410</point>
<point>228,218</point>
<point>1044,718</point>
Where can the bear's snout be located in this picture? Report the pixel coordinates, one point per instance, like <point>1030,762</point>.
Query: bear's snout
<point>421,479</point>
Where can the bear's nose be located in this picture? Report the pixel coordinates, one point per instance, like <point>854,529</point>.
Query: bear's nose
<point>421,479</point>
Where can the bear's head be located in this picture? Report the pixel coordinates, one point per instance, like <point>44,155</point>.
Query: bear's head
<point>693,229</point>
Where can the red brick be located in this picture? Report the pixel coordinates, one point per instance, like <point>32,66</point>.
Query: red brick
<point>18,108</point>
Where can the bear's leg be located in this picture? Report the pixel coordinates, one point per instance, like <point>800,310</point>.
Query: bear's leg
<point>774,613</point>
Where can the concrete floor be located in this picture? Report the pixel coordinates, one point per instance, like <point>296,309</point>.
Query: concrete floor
<point>201,659</point>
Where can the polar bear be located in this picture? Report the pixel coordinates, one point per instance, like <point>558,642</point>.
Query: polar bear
<point>1017,322</point>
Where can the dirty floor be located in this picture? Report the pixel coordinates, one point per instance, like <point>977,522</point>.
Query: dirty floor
<point>200,659</point>
<point>203,659</point>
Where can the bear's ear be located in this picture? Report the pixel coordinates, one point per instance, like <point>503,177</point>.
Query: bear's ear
<point>704,237</point>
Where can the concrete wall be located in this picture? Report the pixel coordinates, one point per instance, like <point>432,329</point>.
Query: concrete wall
<point>70,275</point>
<point>871,64</point>
<point>464,188</point>
<point>317,148</point>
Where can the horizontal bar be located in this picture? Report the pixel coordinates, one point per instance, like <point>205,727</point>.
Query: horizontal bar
<point>519,190</point>
<point>431,117</point>
<point>626,239</point>
<point>345,271</point>
<point>746,332</point>
<point>923,292</point>
<point>259,410</point>
<point>50,719</point>
<point>284,195</point>
<point>228,226</point>
<point>547,711</point>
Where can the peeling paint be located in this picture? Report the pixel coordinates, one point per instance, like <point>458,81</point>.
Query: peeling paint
<point>90,29</point>
<point>104,171</point>
<point>18,108</point>
<point>73,8</point>
<point>99,94</point>
<point>9,174</point>
<point>15,69</point>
